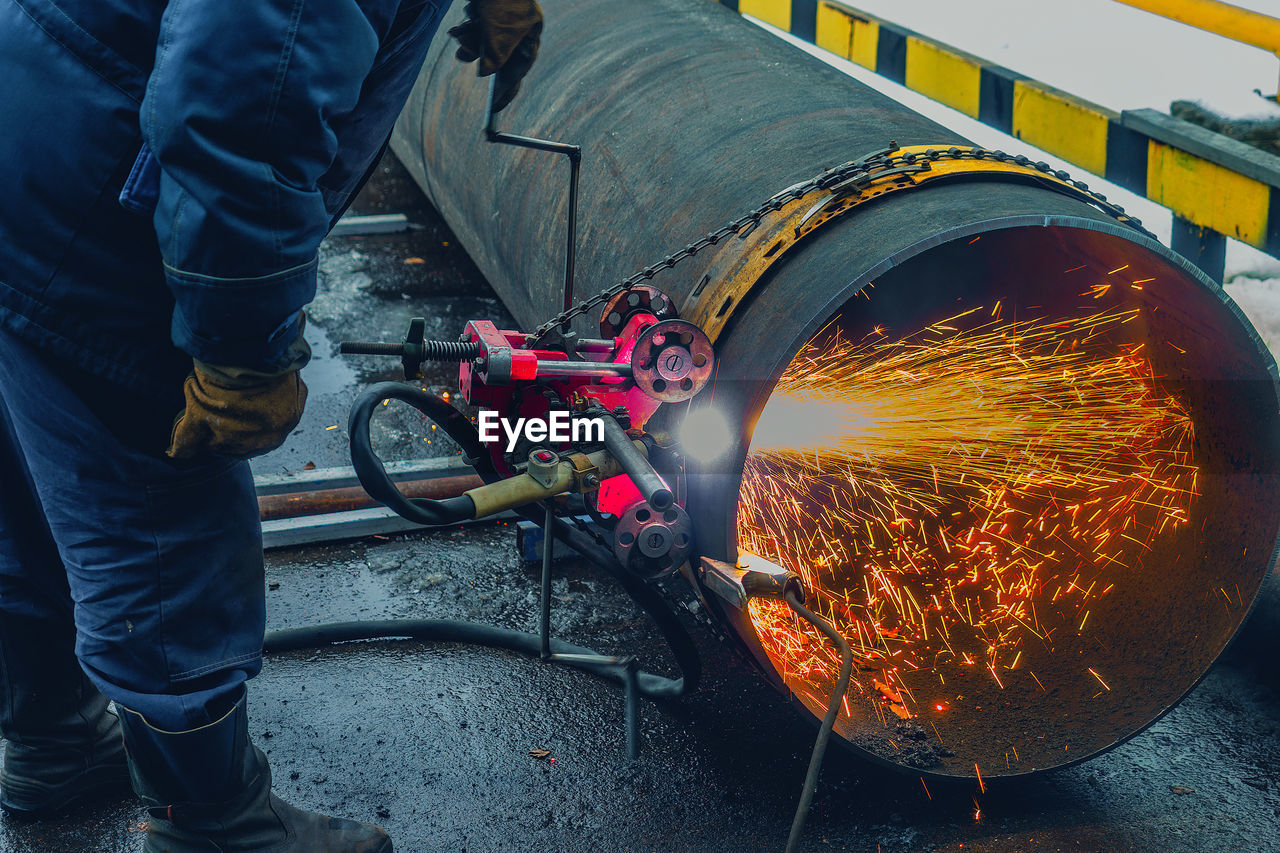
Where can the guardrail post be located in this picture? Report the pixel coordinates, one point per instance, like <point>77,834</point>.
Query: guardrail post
<point>1204,247</point>
<point>804,19</point>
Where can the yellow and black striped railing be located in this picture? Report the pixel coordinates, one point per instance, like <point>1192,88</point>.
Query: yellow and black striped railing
<point>1216,186</point>
<point>1220,18</point>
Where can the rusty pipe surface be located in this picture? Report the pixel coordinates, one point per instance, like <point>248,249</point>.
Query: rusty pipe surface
<point>323,501</point>
<point>996,635</point>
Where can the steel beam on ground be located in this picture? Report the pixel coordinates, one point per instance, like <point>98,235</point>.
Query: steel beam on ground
<point>379,223</point>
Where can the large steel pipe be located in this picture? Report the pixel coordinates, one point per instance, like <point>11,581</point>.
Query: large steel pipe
<point>1023,455</point>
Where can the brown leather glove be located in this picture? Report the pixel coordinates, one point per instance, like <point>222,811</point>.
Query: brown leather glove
<point>504,35</point>
<point>237,412</point>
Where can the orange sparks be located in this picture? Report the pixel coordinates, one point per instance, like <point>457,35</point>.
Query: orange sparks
<point>951,497</point>
<point>1099,677</point>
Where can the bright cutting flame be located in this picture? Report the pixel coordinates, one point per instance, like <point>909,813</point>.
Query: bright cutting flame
<point>705,435</point>
<point>796,419</point>
<point>932,491</point>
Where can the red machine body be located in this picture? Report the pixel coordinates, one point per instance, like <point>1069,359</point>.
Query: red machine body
<point>560,403</point>
<point>524,383</point>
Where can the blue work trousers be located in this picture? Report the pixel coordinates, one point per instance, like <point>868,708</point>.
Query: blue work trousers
<point>155,566</point>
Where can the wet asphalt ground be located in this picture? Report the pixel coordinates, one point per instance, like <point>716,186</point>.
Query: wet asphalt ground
<point>433,741</point>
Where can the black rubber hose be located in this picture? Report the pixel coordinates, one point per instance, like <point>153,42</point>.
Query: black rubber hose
<point>824,731</point>
<point>449,630</point>
<point>372,474</point>
<point>439,630</point>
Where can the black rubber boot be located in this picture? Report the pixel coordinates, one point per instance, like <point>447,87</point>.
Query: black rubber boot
<point>209,789</point>
<point>63,743</point>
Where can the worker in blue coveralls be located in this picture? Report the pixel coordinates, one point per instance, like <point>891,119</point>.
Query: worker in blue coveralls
<point>169,170</point>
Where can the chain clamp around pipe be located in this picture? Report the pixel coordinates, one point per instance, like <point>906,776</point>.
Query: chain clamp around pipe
<point>886,170</point>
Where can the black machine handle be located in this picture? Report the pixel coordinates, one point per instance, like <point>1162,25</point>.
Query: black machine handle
<point>415,349</point>
<point>651,486</point>
<point>430,350</point>
<point>574,153</point>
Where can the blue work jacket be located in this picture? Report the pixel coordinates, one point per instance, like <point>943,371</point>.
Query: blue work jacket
<point>169,169</point>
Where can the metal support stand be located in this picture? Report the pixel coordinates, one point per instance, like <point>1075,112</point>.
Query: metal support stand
<point>627,665</point>
<point>632,698</point>
<point>544,615</point>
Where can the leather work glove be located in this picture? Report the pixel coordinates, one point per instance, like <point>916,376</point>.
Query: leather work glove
<point>504,35</point>
<point>238,412</point>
